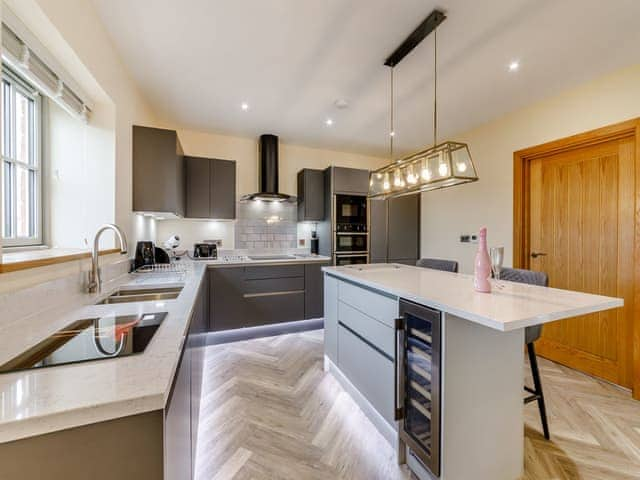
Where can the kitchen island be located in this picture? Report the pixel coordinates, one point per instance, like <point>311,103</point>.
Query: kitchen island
<point>438,367</point>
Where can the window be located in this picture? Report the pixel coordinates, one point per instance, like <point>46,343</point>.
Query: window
<point>21,162</point>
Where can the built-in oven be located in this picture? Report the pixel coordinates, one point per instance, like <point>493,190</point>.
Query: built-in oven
<point>342,259</point>
<point>418,350</point>
<point>350,213</point>
<point>351,242</point>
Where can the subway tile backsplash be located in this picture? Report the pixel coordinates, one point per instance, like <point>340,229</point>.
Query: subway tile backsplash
<point>266,225</point>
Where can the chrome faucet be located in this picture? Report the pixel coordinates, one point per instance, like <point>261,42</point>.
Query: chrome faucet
<point>95,283</point>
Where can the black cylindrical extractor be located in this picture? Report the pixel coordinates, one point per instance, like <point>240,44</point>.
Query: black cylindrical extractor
<point>268,164</point>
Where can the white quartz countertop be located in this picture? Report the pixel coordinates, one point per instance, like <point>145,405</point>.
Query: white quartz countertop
<point>509,306</point>
<point>39,401</point>
<point>263,259</point>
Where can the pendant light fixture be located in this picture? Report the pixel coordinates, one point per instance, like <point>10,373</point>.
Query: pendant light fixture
<point>440,166</point>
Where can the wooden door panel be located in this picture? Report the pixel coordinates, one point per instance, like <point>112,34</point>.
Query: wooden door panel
<point>582,216</point>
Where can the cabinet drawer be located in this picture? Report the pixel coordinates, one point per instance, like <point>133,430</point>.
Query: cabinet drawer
<point>273,308</point>
<point>274,271</point>
<point>273,285</point>
<point>368,370</point>
<point>375,304</point>
<point>369,328</point>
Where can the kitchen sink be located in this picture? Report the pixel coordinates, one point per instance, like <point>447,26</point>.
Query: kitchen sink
<point>127,295</point>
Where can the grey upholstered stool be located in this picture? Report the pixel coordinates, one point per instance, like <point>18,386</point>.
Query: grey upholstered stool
<point>437,264</point>
<point>531,334</point>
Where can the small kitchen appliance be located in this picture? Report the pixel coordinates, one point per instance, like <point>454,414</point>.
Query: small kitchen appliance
<point>206,250</point>
<point>145,254</point>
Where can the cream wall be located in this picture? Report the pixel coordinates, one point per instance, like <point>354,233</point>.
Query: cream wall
<point>245,152</point>
<point>448,213</point>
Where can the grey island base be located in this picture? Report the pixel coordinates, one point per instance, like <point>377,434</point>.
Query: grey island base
<point>437,367</point>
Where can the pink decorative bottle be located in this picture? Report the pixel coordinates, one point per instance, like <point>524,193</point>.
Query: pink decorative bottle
<point>482,268</point>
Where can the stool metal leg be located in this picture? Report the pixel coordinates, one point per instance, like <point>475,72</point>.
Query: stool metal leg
<point>538,395</point>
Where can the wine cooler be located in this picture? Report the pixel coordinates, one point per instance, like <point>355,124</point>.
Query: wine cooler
<point>418,343</point>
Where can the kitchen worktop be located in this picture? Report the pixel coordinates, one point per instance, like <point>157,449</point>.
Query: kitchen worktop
<point>39,401</point>
<point>510,306</point>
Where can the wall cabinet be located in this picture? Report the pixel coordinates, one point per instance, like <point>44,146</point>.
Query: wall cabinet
<point>210,188</point>
<point>350,180</point>
<point>394,230</point>
<point>158,171</point>
<point>262,295</point>
<point>310,195</point>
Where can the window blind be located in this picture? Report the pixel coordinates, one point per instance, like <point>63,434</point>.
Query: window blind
<point>19,56</point>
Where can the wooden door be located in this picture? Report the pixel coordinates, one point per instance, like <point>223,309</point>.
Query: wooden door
<point>581,233</point>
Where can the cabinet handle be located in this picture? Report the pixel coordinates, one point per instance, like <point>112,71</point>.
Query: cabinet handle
<point>271,294</point>
<point>538,254</point>
<point>399,368</point>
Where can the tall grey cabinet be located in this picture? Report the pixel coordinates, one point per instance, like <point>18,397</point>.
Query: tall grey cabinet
<point>310,195</point>
<point>158,171</point>
<point>211,188</point>
<point>394,230</point>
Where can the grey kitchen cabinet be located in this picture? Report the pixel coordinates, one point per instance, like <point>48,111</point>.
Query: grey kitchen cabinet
<point>210,188</point>
<point>262,295</point>
<point>182,409</point>
<point>158,171</point>
<point>226,307</point>
<point>310,195</point>
<point>177,438</point>
<point>223,189</point>
<point>350,180</point>
<point>198,187</point>
<point>313,290</point>
<point>394,230</point>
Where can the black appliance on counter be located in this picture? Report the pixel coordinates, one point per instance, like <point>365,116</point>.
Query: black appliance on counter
<point>208,251</point>
<point>145,254</point>
<point>90,339</point>
<point>418,389</point>
<point>315,243</point>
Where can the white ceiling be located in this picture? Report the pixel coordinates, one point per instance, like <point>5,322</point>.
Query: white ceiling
<point>198,60</point>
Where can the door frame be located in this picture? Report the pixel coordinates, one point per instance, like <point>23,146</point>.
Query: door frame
<point>521,203</point>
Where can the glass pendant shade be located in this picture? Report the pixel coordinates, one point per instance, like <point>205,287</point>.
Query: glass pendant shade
<point>441,166</point>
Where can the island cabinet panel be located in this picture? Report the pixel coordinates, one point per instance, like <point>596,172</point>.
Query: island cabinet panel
<point>177,429</point>
<point>375,304</point>
<point>369,369</point>
<point>331,318</point>
<point>370,329</point>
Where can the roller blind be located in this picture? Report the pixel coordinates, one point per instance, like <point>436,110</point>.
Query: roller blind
<point>22,58</point>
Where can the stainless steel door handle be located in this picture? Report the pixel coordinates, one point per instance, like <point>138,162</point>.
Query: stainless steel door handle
<point>538,254</point>
<point>399,369</point>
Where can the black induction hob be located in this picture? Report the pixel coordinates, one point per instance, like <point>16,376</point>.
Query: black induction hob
<point>90,339</point>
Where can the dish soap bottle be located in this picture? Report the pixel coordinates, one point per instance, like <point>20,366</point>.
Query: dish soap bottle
<point>482,266</point>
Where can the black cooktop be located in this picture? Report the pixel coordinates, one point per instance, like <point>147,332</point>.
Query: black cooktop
<point>90,339</point>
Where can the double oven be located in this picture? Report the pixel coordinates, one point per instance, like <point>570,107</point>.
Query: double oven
<point>351,235</point>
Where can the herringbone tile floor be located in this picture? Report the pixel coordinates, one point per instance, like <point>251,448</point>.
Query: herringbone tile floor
<point>269,412</point>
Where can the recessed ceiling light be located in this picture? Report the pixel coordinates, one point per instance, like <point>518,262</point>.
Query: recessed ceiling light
<point>514,66</point>
<point>244,106</point>
<point>328,122</point>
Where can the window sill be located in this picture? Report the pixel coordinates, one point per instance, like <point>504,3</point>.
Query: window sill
<point>23,260</point>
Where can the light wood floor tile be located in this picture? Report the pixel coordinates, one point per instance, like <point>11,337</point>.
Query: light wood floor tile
<point>269,412</point>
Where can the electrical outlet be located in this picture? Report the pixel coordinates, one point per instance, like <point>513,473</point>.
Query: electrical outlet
<point>301,242</point>
<point>465,238</point>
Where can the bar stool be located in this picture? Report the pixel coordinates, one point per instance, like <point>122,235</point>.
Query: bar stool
<point>438,264</point>
<point>531,334</point>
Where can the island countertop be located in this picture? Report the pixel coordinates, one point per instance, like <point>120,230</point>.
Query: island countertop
<point>509,306</point>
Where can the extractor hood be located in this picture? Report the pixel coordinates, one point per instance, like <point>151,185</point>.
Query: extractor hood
<point>268,173</point>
